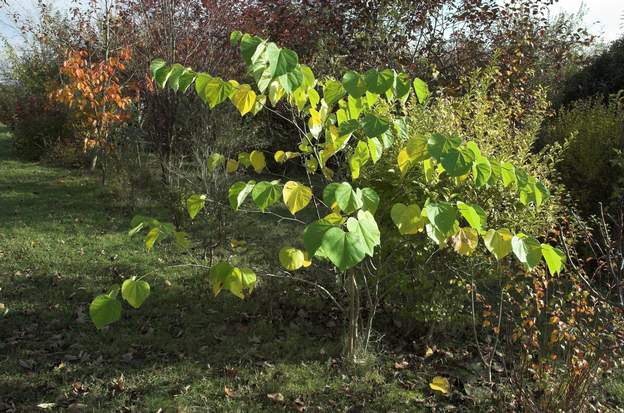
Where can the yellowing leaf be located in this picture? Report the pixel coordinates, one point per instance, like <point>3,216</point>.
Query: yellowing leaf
<point>440,384</point>
<point>408,219</point>
<point>257,160</point>
<point>404,161</point>
<point>465,241</point>
<point>276,92</point>
<point>315,122</point>
<point>291,258</point>
<point>334,218</point>
<point>307,261</point>
<point>280,156</point>
<point>296,196</point>
<point>498,242</point>
<point>231,166</point>
<point>244,99</point>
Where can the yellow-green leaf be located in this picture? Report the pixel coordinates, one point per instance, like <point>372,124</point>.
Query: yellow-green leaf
<point>291,258</point>
<point>257,160</point>
<point>408,219</point>
<point>296,196</point>
<point>554,257</point>
<point>135,292</point>
<point>440,384</point>
<point>498,242</point>
<point>465,241</point>
<point>231,166</point>
<point>244,99</point>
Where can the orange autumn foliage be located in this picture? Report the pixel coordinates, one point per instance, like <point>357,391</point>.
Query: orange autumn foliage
<point>95,93</point>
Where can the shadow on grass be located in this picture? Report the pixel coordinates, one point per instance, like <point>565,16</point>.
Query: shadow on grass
<point>63,240</point>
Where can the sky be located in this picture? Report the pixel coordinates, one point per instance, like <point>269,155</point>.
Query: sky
<point>604,17</point>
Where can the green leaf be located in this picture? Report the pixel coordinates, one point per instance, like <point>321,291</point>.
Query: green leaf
<point>521,177</point>
<point>554,257</point>
<point>481,170</point>
<point>248,46</point>
<point>162,75</point>
<point>194,204</point>
<point>235,37</point>
<point>370,199</point>
<point>354,84</point>
<point>238,193</point>
<point>379,82</point>
<point>296,196</point>
<point>156,65</point>
<point>213,90</point>
<point>333,92</point>
<point>218,276</point>
<point>455,163</point>
<point>366,228</point>
<point>249,279</point>
<point>291,258</point>
<point>348,127</point>
<point>343,195</point>
<point>508,173</point>
<point>135,292</point>
<point>281,60</point>
<point>498,242</point>
<point>291,81</point>
<point>309,81</point>
<point>401,86</point>
<point>358,159</point>
<point>215,160</point>
<point>465,241</point>
<point>439,144</point>
<point>104,310</point>
<point>313,236</point>
<point>374,126</point>
<point>182,239</point>
<point>173,80</point>
<point>442,216</point>
<point>422,90</point>
<point>187,77</point>
<point>408,219</point>
<point>528,250</point>
<point>265,194</point>
<point>473,214</point>
<point>344,249</point>
<point>355,107</point>
<point>375,149</point>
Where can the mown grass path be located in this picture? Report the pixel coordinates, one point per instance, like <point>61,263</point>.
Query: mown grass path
<point>63,240</point>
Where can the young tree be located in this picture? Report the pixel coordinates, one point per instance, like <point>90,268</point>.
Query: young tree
<point>361,117</point>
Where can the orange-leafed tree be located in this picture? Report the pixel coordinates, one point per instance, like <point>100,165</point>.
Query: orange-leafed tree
<point>98,99</point>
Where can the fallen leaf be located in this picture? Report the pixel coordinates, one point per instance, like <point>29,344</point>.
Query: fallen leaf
<point>46,406</point>
<point>276,397</point>
<point>229,392</point>
<point>440,384</point>
<point>400,365</point>
<point>429,352</point>
<point>299,404</point>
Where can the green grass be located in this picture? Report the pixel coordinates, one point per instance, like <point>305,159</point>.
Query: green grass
<point>63,240</point>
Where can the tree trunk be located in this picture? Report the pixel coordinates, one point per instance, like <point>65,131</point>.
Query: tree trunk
<point>353,341</point>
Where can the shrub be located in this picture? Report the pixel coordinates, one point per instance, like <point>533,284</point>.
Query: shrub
<point>590,132</point>
<point>602,77</point>
<point>36,123</point>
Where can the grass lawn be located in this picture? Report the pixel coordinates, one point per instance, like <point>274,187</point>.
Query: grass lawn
<point>63,240</point>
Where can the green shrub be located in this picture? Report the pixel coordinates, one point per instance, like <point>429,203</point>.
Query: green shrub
<point>433,285</point>
<point>590,132</point>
